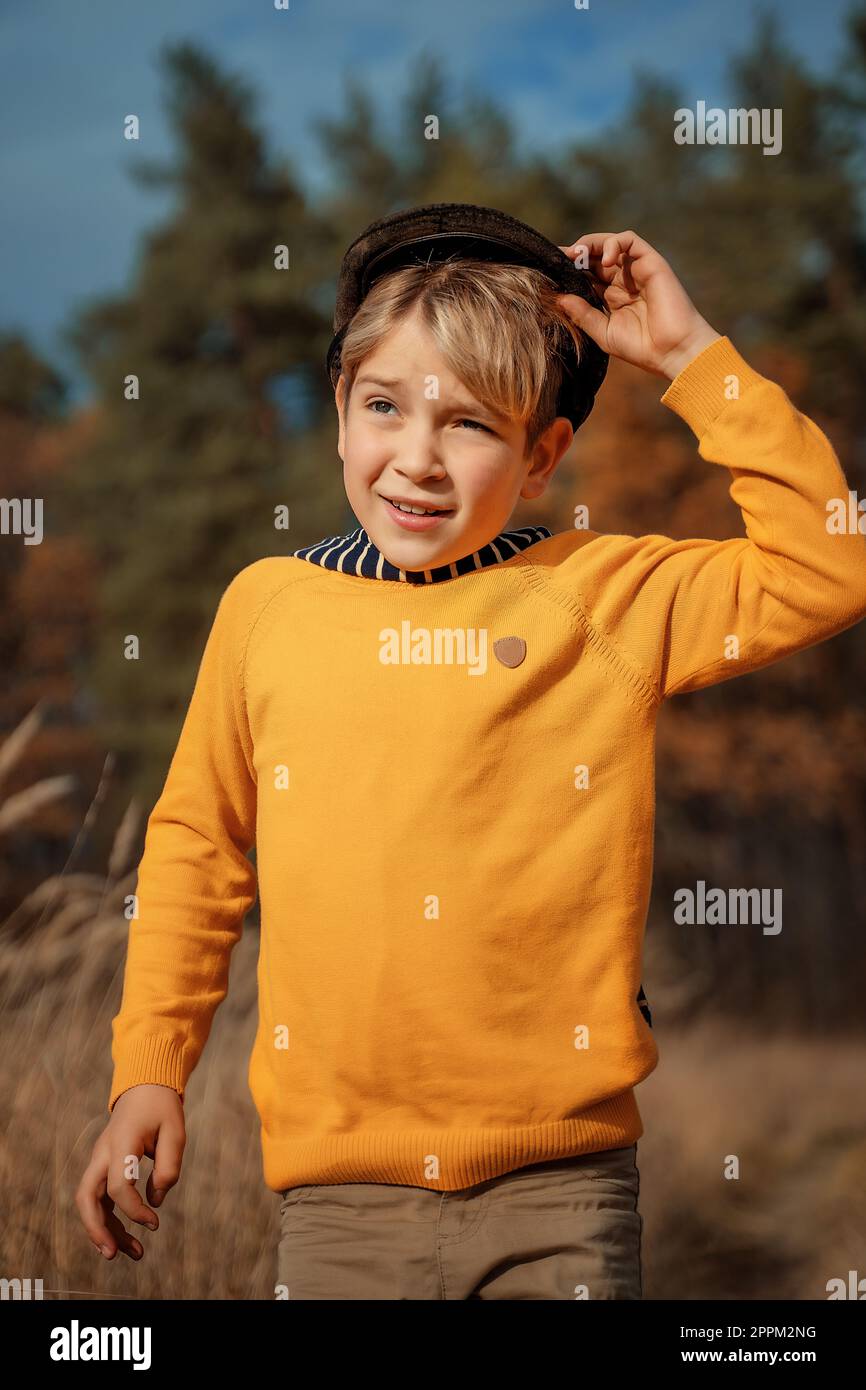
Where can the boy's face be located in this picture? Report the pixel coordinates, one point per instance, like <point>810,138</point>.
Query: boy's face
<point>445,452</point>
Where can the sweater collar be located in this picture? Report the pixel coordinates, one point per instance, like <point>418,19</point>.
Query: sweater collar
<point>357,554</point>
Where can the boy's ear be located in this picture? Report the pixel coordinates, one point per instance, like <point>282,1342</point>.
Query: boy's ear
<point>340,401</point>
<point>548,451</point>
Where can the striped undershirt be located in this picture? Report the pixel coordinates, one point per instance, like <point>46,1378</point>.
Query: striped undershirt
<point>358,554</point>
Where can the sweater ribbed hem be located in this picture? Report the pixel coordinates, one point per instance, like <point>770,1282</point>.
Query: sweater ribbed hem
<point>154,1060</point>
<point>465,1156</point>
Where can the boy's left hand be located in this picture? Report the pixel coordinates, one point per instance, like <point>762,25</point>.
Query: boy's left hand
<point>653,323</point>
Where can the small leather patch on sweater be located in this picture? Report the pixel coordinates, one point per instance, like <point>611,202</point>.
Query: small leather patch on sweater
<point>509,650</point>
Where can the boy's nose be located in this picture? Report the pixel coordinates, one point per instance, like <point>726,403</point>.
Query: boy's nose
<point>421,459</point>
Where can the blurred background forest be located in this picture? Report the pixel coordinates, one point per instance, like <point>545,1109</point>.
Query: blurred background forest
<point>153,505</point>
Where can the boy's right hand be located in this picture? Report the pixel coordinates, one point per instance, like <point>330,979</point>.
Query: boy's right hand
<point>146,1120</point>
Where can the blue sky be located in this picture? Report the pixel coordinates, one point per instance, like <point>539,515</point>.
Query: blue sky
<point>71,72</point>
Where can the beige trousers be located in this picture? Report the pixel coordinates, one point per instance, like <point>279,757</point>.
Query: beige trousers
<point>563,1229</point>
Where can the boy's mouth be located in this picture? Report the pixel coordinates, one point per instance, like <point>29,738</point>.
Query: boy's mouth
<point>412,515</point>
<point>404,505</point>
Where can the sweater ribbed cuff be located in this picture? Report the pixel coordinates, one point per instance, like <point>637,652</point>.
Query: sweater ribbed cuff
<point>154,1060</point>
<point>700,392</point>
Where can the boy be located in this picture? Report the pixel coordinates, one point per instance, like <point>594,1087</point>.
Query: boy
<point>440,735</point>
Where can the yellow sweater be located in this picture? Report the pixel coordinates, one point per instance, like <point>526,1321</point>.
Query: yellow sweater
<point>450,787</point>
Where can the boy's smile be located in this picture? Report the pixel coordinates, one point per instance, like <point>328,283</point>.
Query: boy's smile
<point>414,514</point>
<point>414,440</point>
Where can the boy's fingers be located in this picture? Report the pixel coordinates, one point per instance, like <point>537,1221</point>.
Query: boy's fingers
<point>600,243</point>
<point>120,1239</point>
<point>94,1207</point>
<point>590,260</point>
<point>641,263</point>
<point>123,1191</point>
<point>170,1144</point>
<point>593,241</point>
<point>605,248</point>
<point>590,319</point>
<point>90,1208</point>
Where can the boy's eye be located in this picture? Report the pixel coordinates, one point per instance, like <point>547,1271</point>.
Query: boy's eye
<point>466,421</point>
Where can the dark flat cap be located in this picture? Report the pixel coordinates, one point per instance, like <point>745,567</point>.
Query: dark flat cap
<point>437,231</point>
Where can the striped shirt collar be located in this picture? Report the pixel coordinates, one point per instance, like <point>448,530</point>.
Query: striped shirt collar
<point>358,554</point>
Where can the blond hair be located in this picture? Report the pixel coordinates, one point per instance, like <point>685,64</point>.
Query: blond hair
<point>497,325</point>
